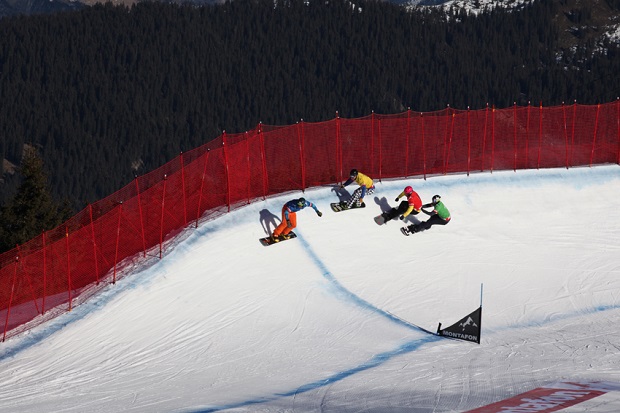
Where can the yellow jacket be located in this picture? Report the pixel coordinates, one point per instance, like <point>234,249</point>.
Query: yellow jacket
<point>363,180</point>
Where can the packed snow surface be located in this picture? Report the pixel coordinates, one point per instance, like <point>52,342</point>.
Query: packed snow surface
<point>342,318</point>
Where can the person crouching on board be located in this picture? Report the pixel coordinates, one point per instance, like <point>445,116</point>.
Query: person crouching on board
<point>289,217</point>
<point>367,187</point>
<point>438,216</point>
<point>411,205</point>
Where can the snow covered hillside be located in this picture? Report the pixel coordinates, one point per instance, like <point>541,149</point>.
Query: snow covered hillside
<point>338,320</point>
<point>602,21</point>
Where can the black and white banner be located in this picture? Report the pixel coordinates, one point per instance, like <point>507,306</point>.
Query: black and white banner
<point>468,328</point>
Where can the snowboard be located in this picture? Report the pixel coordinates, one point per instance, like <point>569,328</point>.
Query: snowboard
<point>267,241</point>
<point>338,207</point>
<point>380,220</point>
<point>405,231</point>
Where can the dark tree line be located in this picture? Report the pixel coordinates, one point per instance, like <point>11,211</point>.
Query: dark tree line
<point>111,92</point>
<point>32,210</point>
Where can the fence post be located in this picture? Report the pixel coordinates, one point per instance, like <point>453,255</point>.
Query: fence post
<point>118,236</point>
<point>27,276</point>
<point>445,139</point>
<point>449,145</point>
<point>407,142</point>
<point>8,311</point>
<point>565,132</point>
<point>484,136</point>
<point>261,134</point>
<point>339,165</point>
<point>598,109</point>
<point>618,123</point>
<point>69,268</point>
<point>141,217</point>
<point>380,150</point>
<point>44,274</point>
<point>92,239</point>
<point>572,144</point>
<point>540,126</point>
<point>514,131</point>
<point>300,141</point>
<point>468,143</point>
<point>423,146</point>
<point>492,138</point>
<point>202,183</point>
<point>247,158</point>
<point>183,189</point>
<point>161,223</point>
<point>372,143</point>
<point>450,141</point>
<point>227,171</point>
<point>527,136</point>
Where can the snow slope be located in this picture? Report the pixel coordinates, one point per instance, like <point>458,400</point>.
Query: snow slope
<point>338,320</point>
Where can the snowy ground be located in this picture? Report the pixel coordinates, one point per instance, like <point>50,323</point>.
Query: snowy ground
<point>335,320</point>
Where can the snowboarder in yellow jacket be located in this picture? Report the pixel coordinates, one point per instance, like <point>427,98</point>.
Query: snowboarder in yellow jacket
<point>367,187</point>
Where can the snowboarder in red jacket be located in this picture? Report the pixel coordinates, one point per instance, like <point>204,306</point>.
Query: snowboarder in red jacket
<point>410,206</point>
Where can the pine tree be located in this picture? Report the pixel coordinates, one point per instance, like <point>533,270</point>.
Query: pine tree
<point>33,209</point>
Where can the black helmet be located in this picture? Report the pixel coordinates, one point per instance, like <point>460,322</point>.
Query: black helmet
<point>301,202</point>
<point>353,173</point>
<point>436,198</point>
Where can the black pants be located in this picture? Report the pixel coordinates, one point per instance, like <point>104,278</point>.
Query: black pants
<point>395,212</point>
<point>423,226</point>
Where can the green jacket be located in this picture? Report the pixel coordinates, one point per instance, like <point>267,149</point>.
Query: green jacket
<point>439,209</point>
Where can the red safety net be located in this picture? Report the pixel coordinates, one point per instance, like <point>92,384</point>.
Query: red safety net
<point>53,272</point>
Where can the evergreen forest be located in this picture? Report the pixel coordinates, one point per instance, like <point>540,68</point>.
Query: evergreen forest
<point>109,92</point>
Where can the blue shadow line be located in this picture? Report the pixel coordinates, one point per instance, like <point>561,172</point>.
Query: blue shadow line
<point>373,362</point>
<point>350,295</point>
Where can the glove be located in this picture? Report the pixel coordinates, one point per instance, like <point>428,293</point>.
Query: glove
<point>319,213</point>
<point>288,224</point>
<point>396,200</point>
<point>402,217</point>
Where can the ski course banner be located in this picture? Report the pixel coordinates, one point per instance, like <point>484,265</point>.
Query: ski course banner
<point>572,396</point>
<point>467,328</point>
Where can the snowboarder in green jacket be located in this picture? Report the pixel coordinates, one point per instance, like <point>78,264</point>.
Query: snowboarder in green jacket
<point>438,216</point>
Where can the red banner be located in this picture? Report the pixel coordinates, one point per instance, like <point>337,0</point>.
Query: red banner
<point>549,399</point>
